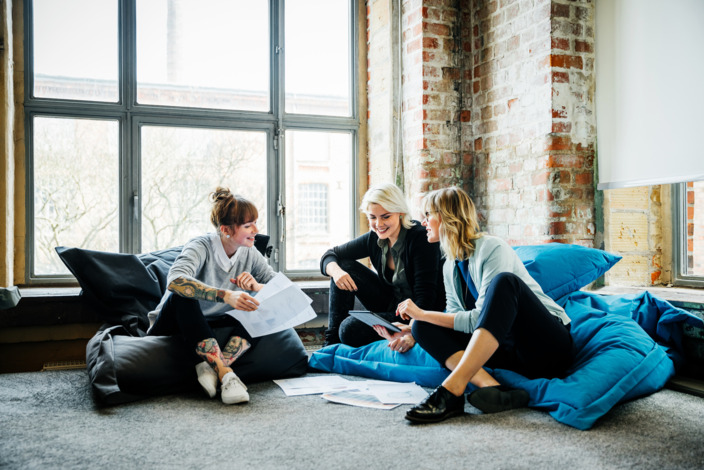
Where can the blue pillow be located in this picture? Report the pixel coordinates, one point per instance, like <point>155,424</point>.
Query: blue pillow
<point>561,269</point>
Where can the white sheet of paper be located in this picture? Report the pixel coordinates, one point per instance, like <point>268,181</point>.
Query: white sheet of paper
<point>357,398</point>
<point>282,305</point>
<point>313,385</point>
<point>399,393</point>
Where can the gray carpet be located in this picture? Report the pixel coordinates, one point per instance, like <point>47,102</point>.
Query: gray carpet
<point>49,420</point>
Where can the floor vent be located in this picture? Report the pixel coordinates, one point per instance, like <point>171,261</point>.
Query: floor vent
<point>64,365</point>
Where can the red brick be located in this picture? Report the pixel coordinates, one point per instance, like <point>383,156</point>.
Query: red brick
<point>560,43</point>
<point>430,43</point>
<point>583,178</point>
<point>451,73</point>
<point>560,11</point>
<point>437,29</point>
<point>465,116</point>
<point>690,197</point>
<point>560,77</point>
<point>558,143</point>
<point>559,113</point>
<point>566,61</point>
<point>476,86</point>
<point>558,127</point>
<point>565,161</point>
<point>583,46</point>
<point>477,144</point>
<point>557,228</point>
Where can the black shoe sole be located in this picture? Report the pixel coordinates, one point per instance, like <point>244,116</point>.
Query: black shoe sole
<point>499,401</point>
<point>420,420</point>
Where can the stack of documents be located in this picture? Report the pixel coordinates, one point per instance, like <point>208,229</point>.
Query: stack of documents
<point>378,394</point>
<point>282,305</point>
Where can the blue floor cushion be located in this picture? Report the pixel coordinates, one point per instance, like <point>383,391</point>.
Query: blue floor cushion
<point>615,358</point>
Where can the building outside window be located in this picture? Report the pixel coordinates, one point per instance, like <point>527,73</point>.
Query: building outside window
<point>688,234</point>
<point>134,116</point>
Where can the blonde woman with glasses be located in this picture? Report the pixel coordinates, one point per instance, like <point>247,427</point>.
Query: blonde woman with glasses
<point>496,316</point>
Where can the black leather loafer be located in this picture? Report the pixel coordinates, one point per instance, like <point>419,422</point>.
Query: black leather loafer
<point>438,406</point>
<point>498,398</point>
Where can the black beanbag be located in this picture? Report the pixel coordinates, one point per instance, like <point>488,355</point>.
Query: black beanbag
<point>125,365</point>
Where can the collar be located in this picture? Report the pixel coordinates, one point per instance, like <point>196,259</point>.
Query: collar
<point>399,241</point>
<point>221,257</point>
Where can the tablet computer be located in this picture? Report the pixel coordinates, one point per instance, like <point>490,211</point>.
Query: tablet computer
<point>372,319</point>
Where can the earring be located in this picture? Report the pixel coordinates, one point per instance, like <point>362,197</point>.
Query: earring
<point>227,236</point>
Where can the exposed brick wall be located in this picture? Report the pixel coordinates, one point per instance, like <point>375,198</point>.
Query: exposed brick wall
<point>432,79</point>
<point>498,98</point>
<point>532,120</point>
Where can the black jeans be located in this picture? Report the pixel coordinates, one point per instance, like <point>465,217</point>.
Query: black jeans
<point>183,317</point>
<point>532,341</point>
<point>376,296</point>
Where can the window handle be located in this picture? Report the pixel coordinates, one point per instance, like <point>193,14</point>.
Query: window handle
<point>135,205</point>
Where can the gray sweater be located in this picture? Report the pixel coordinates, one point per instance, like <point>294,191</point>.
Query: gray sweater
<point>491,256</point>
<point>203,258</point>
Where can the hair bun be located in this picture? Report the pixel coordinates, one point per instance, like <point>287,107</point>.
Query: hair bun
<point>220,193</point>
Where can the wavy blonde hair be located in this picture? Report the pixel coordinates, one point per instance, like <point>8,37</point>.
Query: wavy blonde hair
<point>391,198</point>
<point>459,225</point>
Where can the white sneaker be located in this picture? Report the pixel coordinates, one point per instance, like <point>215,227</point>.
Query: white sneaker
<point>233,390</point>
<point>207,378</point>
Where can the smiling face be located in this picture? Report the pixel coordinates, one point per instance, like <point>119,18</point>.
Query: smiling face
<point>240,235</point>
<point>431,222</point>
<point>387,225</point>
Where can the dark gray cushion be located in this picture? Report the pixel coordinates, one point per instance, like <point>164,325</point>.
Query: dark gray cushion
<point>125,368</point>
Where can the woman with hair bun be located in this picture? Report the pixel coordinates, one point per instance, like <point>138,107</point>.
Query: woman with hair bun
<point>406,266</point>
<point>497,315</point>
<point>215,273</point>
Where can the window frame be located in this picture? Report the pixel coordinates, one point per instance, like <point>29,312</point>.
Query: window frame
<point>131,115</point>
<point>679,240</point>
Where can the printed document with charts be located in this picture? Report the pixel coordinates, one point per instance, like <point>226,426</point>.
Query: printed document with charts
<point>282,305</point>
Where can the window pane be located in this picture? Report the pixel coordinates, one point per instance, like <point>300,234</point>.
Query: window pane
<point>182,166</point>
<point>318,195</point>
<point>76,58</point>
<point>318,57</point>
<point>76,191</point>
<point>212,54</point>
<point>695,228</point>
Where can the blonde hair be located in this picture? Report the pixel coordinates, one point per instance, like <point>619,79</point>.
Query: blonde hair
<point>458,220</point>
<point>231,209</point>
<point>390,197</point>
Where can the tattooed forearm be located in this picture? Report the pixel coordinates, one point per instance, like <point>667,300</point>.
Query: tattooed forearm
<point>193,289</point>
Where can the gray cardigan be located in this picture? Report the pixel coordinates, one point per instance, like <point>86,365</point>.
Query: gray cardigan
<point>203,258</point>
<point>491,256</point>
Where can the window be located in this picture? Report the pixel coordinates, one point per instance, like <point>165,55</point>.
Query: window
<point>313,208</point>
<point>688,234</point>
<point>137,109</point>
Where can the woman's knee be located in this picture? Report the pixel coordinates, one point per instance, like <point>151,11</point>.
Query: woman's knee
<point>505,280</point>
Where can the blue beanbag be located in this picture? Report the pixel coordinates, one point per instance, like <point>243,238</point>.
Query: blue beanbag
<point>561,269</point>
<point>616,359</point>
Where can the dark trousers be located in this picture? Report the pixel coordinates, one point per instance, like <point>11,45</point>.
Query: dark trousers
<point>532,341</point>
<point>376,296</point>
<point>183,317</point>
